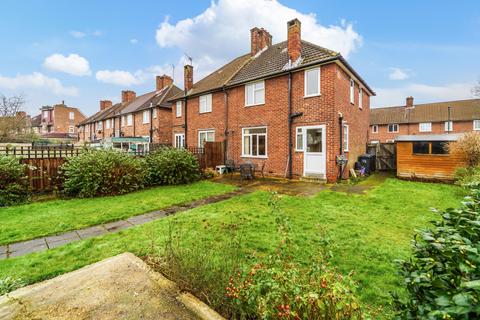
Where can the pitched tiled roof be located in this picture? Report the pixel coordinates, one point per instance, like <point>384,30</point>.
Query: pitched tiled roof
<point>275,59</point>
<point>430,112</point>
<point>156,98</point>
<point>269,62</point>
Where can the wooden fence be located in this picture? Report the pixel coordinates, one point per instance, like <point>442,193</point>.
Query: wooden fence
<point>386,155</point>
<point>38,152</point>
<point>210,156</point>
<point>43,173</point>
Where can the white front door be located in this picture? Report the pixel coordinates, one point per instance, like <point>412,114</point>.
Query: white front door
<point>315,158</point>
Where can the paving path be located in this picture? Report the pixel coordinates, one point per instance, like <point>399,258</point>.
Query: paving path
<point>45,243</point>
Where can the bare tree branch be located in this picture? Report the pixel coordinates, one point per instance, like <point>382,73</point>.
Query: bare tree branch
<point>476,90</point>
<point>13,121</point>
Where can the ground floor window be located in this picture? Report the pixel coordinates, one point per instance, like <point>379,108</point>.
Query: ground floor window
<point>179,140</point>
<point>434,147</point>
<point>345,137</point>
<point>205,136</point>
<point>299,143</point>
<point>254,142</point>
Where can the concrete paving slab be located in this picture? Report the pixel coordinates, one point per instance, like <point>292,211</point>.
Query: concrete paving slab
<point>19,249</point>
<point>91,232</point>
<point>117,225</point>
<point>121,287</point>
<point>138,220</point>
<point>72,236</point>
<point>3,249</point>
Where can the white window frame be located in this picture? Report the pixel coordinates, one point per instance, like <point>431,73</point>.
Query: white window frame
<point>107,124</point>
<point>257,93</point>
<point>130,120</point>
<point>306,82</point>
<point>182,140</point>
<point>124,121</point>
<point>360,98</point>
<point>205,132</point>
<point>154,113</point>
<point>178,109</point>
<point>146,116</point>
<point>71,129</point>
<point>99,125</point>
<point>71,115</point>
<point>251,144</point>
<point>375,128</point>
<point>393,124</point>
<point>206,99</point>
<point>352,91</point>
<point>299,145</point>
<point>45,114</point>
<point>346,137</point>
<point>476,125</point>
<point>448,126</point>
<point>425,127</point>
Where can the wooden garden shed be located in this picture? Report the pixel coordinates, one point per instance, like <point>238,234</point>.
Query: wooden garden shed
<point>427,157</point>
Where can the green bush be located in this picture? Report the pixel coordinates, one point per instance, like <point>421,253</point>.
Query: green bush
<point>101,173</point>
<point>171,166</point>
<point>442,277</point>
<point>467,176</point>
<point>13,182</point>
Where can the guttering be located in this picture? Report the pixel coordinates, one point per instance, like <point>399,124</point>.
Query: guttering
<point>225,151</point>
<point>290,119</point>
<point>185,141</point>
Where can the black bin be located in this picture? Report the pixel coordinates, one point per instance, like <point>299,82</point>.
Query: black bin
<point>368,162</point>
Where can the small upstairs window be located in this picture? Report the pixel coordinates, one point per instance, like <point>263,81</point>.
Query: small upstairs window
<point>374,128</point>
<point>360,98</point>
<point>178,109</point>
<point>146,116</point>
<point>425,127</point>
<point>312,82</point>
<point>71,115</point>
<point>129,120</point>
<point>205,103</point>
<point>392,128</point>
<point>255,93</point>
<point>352,91</point>
<point>448,126</point>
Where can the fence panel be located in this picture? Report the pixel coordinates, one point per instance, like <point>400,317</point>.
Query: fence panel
<point>214,154</point>
<point>43,173</point>
<point>386,155</point>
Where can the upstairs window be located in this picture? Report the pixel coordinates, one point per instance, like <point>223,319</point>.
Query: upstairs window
<point>129,119</point>
<point>99,125</point>
<point>124,121</point>
<point>205,103</point>
<point>392,128</point>
<point>154,113</point>
<point>178,109</point>
<point>425,127</point>
<point>107,124</point>
<point>352,91</point>
<point>476,124</point>
<point>448,126</point>
<point>146,116</point>
<point>255,93</point>
<point>312,82</point>
<point>71,115</point>
<point>375,128</point>
<point>360,98</point>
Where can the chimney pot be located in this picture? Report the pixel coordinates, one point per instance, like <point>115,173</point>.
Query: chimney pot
<point>105,104</point>
<point>409,102</point>
<point>294,40</point>
<point>163,81</point>
<point>128,95</point>
<point>188,77</point>
<point>259,39</point>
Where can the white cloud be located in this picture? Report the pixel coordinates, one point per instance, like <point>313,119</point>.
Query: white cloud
<point>77,34</point>
<point>118,77</point>
<point>37,80</point>
<point>422,93</point>
<point>398,74</point>
<point>133,41</point>
<point>72,64</point>
<point>222,31</point>
<point>97,33</point>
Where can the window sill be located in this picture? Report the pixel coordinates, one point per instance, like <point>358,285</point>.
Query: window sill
<point>204,112</point>
<point>312,95</point>
<point>254,105</point>
<point>430,154</point>
<point>253,157</point>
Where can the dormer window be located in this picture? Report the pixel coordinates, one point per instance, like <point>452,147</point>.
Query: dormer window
<point>255,93</point>
<point>312,82</point>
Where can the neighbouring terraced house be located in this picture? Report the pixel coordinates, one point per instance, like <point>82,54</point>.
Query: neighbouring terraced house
<point>136,121</point>
<point>424,119</point>
<point>58,121</point>
<point>293,108</point>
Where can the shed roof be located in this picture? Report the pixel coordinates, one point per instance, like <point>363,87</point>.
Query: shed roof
<point>430,137</point>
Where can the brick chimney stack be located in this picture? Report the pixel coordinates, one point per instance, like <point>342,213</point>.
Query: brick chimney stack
<point>128,95</point>
<point>187,77</point>
<point>163,81</point>
<point>259,39</point>
<point>294,40</point>
<point>409,103</point>
<point>105,104</point>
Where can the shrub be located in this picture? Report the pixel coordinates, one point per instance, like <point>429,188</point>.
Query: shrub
<point>9,284</point>
<point>102,172</point>
<point>468,146</point>
<point>442,277</point>
<point>171,166</point>
<point>467,176</point>
<point>13,182</point>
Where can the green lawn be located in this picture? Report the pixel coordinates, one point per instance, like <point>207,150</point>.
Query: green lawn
<point>50,217</point>
<point>368,233</point>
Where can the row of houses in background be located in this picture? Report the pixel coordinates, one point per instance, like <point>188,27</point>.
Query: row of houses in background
<point>57,122</point>
<point>293,108</point>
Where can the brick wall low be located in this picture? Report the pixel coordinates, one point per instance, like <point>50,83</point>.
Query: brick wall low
<point>413,128</point>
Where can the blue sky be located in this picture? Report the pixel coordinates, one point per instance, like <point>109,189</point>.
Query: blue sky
<point>85,51</point>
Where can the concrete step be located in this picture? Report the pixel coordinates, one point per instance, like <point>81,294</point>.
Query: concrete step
<point>314,179</point>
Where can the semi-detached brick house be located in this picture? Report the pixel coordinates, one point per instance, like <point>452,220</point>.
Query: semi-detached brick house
<point>292,106</point>
<point>147,116</point>
<point>57,121</point>
<point>430,118</point>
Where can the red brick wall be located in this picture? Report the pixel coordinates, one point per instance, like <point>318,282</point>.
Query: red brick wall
<point>61,119</point>
<point>413,128</point>
<point>177,122</point>
<point>163,126</point>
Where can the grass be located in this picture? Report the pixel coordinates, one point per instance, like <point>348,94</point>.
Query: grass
<point>50,217</point>
<point>368,233</point>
